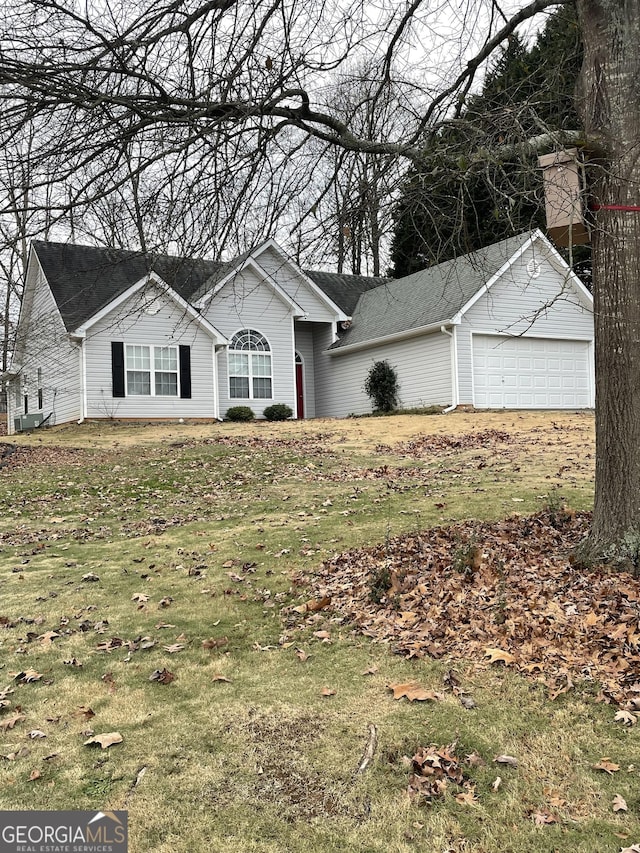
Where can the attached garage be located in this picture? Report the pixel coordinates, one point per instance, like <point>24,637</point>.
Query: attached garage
<point>531,373</point>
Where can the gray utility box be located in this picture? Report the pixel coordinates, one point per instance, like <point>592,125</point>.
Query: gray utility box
<point>24,422</point>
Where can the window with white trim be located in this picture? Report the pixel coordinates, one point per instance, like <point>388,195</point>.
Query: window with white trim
<point>151,371</point>
<point>250,376</point>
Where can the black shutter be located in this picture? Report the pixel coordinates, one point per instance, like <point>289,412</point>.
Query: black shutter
<point>117,369</point>
<point>185,372</point>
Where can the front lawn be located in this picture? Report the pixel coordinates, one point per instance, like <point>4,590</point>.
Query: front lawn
<point>292,661</point>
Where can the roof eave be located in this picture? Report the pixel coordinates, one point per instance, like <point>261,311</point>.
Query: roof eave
<point>396,336</point>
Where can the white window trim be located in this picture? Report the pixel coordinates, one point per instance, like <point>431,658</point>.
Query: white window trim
<point>152,371</point>
<point>250,376</point>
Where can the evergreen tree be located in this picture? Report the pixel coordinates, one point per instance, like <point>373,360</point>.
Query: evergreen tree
<point>444,212</point>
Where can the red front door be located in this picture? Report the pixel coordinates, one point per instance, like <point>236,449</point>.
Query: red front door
<point>299,391</point>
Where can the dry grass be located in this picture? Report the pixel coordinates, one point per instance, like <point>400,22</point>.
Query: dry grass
<point>362,434</point>
<point>227,521</point>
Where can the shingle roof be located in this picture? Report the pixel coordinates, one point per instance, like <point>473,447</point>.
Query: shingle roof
<point>223,268</point>
<point>344,290</point>
<point>428,297</point>
<point>84,279</point>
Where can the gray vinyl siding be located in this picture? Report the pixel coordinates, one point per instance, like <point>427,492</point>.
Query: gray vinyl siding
<point>422,364</point>
<point>304,334</point>
<point>247,303</point>
<point>170,326</point>
<point>43,344</point>
<point>512,307</point>
<point>295,285</point>
<point>325,373</point>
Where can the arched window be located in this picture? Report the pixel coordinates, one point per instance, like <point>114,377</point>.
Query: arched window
<point>249,366</point>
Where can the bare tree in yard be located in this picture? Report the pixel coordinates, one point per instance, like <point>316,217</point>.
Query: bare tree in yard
<point>353,211</point>
<point>609,103</point>
<point>243,88</point>
<point>21,179</point>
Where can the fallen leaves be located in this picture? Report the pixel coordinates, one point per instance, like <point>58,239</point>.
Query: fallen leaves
<point>313,605</point>
<point>47,638</point>
<point>542,817</point>
<point>162,676</point>
<point>214,643</point>
<point>105,740</point>
<point>433,769</point>
<point>414,692</point>
<point>619,804</point>
<point>499,656</point>
<point>325,636</point>
<point>468,798</point>
<point>432,445</point>
<point>7,723</point>
<point>525,606</point>
<point>15,756</point>
<point>607,765</point>
<point>554,798</point>
<point>625,717</point>
<point>506,759</point>
<point>28,676</point>
<point>85,711</point>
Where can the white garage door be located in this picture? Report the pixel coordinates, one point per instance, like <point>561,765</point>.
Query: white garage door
<point>530,373</point>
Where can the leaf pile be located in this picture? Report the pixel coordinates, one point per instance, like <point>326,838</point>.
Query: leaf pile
<point>429,445</point>
<point>503,593</point>
<point>434,768</point>
<point>14,456</point>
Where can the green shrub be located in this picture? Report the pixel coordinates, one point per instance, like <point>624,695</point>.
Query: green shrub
<point>278,412</point>
<point>240,413</point>
<point>381,385</point>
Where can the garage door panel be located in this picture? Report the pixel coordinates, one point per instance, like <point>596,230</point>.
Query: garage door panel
<point>530,373</point>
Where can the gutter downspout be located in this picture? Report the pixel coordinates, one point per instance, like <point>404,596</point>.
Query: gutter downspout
<point>83,379</point>
<point>216,384</point>
<point>216,348</point>
<point>454,371</point>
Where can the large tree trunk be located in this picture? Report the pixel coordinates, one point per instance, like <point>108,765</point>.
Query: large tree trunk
<point>609,100</point>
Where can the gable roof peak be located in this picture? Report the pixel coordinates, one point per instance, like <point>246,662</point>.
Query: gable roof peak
<point>85,279</point>
<point>429,297</point>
